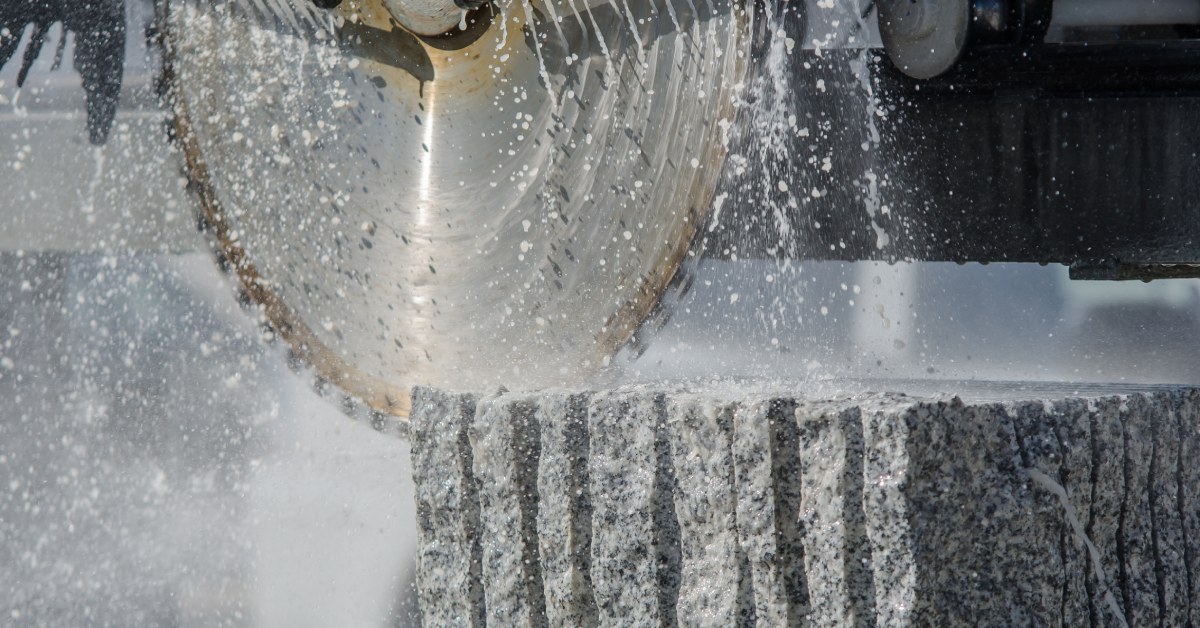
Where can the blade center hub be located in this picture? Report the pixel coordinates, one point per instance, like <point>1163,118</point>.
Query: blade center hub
<point>432,17</point>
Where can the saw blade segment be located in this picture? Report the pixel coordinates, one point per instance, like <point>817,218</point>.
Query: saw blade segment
<point>499,206</point>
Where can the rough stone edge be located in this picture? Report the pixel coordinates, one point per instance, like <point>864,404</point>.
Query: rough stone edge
<point>714,583</point>
<point>505,452</point>
<point>564,516</point>
<point>1029,432</point>
<point>837,551</point>
<point>449,582</point>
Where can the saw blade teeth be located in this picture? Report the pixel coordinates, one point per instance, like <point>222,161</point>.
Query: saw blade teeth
<point>282,16</point>
<point>673,15</point>
<point>361,187</point>
<point>255,8</point>
<point>310,13</point>
<point>286,12</point>
<point>557,22</point>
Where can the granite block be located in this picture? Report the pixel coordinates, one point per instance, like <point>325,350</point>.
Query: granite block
<point>661,507</point>
<point>837,553</point>
<point>449,575</point>
<point>564,510</point>
<point>754,483</point>
<point>505,449</point>
<point>714,578</point>
<point>630,580</point>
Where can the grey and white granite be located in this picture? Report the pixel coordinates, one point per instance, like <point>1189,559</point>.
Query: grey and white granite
<point>1103,526</point>
<point>630,538</point>
<point>449,579</point>
<point>1188,474</point>
<point>714,588</point>
<point>505,447</point>
<point>755,426</point>
<point>837,553</point>
<point>1170,540</point>
<point>564,517</point>
<point>640,506</point>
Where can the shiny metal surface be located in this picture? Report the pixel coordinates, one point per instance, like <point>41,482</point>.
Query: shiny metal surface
<point>924,38</point>
<point>501,206</point>
<point>426,17</point>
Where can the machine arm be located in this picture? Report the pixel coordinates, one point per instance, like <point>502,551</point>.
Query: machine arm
<point>1074,140</point>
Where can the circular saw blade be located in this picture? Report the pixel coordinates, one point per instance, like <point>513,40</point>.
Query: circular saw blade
<point>498,206</point>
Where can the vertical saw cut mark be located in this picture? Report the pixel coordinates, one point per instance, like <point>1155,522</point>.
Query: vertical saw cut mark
<point>1072,517</point>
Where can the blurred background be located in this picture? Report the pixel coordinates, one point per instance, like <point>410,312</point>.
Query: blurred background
<point>160,465</point>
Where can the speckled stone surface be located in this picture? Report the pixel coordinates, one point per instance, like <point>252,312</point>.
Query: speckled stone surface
<point>837,554</point>
<point>505,450</point>
<point>649,507</point>
<point>633,577</point>
<point>948,515</point>
<point>761,537</point>
<point>714,586</point>
<point>449,580</point>
<point>564,517</point>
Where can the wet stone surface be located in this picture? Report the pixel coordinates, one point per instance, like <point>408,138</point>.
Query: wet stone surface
<point>642,506</point>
